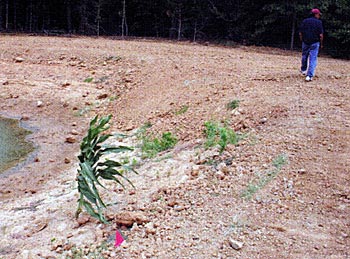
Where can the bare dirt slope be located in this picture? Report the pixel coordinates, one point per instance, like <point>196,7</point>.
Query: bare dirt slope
<point>188,202</point>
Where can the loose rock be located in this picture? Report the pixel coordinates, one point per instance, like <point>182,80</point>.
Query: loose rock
<point>19,60</point>
<point>39,104</point>
<point>128,218</point>
<point>236,244</point>
<point>102,96</point>
<point>67,160</point>
<point>71,140</point>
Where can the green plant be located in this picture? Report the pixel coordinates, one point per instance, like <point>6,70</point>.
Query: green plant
<point>134,162</point>
<point>141,132</point>
<point>92,169</point>
<point>113,58</point>
<point>91,253</point>
<point>113,98</point>
<point>218,134</point>
<point>233,104</point>
<point>88,80</point>
<point>76,253</point>
<point>264,179</point>
<point>182,110</point>
<point>152,146</point>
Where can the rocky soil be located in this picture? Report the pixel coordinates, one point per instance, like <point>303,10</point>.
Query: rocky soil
<point>189,202</point>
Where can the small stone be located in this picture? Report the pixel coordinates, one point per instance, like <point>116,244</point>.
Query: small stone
<point>279,228</point>
<point>67,160</point>
<point>302,171</point>
<point>344,235</point>
<point>83,219</point>
<point>236,244</point>
<point>128,218</point>
<point>220,175</point>
<point>195,171</point>
<point>25,118</point>
<point>263,120</point>
<point>74,132</point>
<point>124,245</point>
<point>67,247</point>
<point>19,60</point>
<point>179,208</point>
<point>39,104</point>
<point>57,244</point>
<point>102,96</point>
<point>236,112</point>
<point>71,140</point>
<point>172,202</point>
<point>36,159</point>
<point>223,168</point>
<point>150,229</point>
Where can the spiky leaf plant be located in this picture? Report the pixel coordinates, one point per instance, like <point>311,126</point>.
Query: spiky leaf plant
<point>92,169</point>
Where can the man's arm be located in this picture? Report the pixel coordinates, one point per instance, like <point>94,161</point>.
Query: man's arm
<point>321,32</point>
<point>301,29</point>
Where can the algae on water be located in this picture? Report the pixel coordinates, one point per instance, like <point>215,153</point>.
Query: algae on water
<point>13,145</point>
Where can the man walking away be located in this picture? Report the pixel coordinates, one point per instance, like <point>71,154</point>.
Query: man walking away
<point>311,35</point>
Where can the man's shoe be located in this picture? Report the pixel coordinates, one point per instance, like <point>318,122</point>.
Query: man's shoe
<point>308,79</point>
<point>303,72</point>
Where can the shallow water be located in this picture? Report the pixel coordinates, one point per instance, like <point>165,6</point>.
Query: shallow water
<point>13,146</point>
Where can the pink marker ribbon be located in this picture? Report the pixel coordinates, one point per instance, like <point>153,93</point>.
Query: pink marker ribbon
<point>119,239</point>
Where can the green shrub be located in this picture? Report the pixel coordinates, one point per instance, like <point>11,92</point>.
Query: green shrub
<point>152,146</point>
<point>233,104</point>
<point>88,80</point>
<point>92,169</point>
<point>218,134</point>
<point>182,110</point>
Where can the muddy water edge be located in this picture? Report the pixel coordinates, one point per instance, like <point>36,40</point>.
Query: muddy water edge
<point>14,148</point>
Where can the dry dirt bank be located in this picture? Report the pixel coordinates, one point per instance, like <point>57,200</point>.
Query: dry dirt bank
<point>191,200</point>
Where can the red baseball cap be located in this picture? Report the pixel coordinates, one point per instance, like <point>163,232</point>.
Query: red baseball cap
<point>315,11</point>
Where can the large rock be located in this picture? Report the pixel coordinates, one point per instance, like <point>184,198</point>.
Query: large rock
<point>128,218</point>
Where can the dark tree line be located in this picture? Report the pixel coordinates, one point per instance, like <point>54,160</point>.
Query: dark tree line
<point>272,23</point>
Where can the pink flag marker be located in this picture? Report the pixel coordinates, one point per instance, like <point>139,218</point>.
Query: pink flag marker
<point>118,239</point>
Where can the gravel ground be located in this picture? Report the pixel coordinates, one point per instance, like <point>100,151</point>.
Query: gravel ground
<point>281,192</point>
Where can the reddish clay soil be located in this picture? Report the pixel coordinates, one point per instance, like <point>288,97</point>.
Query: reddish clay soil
<point>188,201</point>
